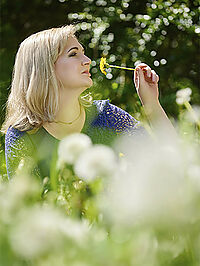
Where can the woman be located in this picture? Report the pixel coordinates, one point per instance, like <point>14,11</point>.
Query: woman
<point>45,104</point>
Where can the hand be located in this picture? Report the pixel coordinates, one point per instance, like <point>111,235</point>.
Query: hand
<point>146,83</point>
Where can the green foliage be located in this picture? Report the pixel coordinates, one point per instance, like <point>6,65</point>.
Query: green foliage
<point>163,34</point>
<point>65,224</point>
<point>158,226</point>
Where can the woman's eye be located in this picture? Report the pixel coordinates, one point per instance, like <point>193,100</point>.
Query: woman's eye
<point>73,54</point>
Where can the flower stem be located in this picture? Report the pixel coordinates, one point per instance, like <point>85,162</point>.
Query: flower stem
<point>127,68</point>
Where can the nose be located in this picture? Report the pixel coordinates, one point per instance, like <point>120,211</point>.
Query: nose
<point>86,60</point>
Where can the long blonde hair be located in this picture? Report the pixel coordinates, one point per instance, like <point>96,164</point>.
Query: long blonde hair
<point>34,96</point>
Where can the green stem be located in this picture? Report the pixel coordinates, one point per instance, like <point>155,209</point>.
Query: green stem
<point>127,68</point>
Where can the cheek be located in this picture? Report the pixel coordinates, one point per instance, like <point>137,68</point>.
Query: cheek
<point>63,70</point>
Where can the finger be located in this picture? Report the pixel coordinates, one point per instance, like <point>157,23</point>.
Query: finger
<point>154,76</point>
<point>136,79</point>
<point>141,76</point>
<point>148,72</point>
<point>146,69</point>
<point>134,75</point>
<point>141,65</point>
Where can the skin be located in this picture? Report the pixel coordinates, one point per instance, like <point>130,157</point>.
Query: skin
<point>69,67</point>
<point>146,84</point>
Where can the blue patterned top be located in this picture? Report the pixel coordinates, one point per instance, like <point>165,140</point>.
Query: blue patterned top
<point>104,121</point>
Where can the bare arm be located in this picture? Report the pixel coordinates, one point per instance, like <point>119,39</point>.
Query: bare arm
<point>146,83</point>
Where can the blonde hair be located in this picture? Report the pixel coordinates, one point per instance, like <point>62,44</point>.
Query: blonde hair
<point>34,96</point>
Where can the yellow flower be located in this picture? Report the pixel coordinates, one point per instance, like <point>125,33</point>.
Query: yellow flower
<point>121,154</point>
<point>103,65</point>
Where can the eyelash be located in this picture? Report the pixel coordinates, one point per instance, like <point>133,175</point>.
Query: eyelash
<point>73,54</point>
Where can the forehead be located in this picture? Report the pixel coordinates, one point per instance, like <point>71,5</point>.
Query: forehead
<point>72,41</point>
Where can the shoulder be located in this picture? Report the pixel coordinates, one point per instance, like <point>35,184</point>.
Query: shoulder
<point>114,117</point>
<point>17,146</point>
<point>104,106</point>
<point>101,104</point>
<point>13,135</point>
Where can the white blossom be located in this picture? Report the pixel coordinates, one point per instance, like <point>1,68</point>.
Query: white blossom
<point>76,230</point>
<point>71,147</point>
<point>183,96</point>
<point>194,115</point>
<point>36,232</point>
<point>96,161</point>
<point>15,193</point>
<point>151,186</point>
<point>194,174</point>
<point>40,229</point>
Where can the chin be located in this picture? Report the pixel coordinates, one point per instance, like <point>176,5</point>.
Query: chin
<point>89,83</point>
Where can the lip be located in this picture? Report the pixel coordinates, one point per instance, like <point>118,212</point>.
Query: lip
<point>86,72</point>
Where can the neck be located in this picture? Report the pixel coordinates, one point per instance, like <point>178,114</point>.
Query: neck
<point>69,109</point>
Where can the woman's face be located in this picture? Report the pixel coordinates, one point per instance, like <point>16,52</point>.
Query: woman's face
<point>71,64</point>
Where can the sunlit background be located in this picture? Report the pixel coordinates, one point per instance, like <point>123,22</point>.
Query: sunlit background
<point>163,34</point>
<point>136,204</point>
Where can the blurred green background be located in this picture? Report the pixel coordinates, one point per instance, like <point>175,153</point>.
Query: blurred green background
<point>163,34</point>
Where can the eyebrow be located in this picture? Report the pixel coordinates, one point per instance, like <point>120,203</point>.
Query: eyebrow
<point>75,48</point>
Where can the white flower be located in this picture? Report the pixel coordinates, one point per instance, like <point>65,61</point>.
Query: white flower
<point>36,232</point>
<point>194,114</point>
<point>194,175</point>
<point>39,230</point>
<point>150,187</point>
<point>76,230</point>
<point>183,96</point>
<point>15,193</point>
<point>71,147</point>
<point>98,160</point>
